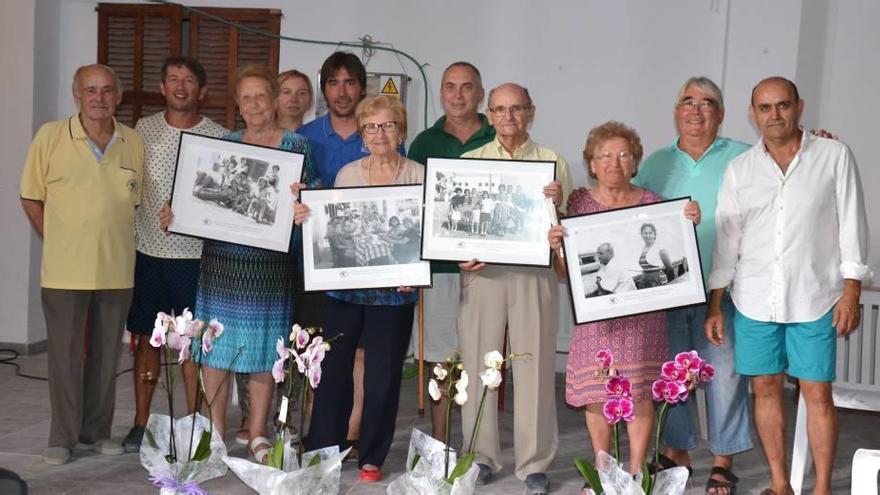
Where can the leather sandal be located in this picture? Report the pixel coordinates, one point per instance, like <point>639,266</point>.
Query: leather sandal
<point>259,448</point>
<point>663,463</point>
<point>718,486</point>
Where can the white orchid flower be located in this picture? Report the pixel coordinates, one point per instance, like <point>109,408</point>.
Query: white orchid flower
<point>278,365</point>
<point>183,322</point>
<point>316,352</point>
<point>300,360</point>
<point>440,372</point>
<point>433,389</point>
<point>315,376</point>
<point>491,378</point>
<point>158,337</point>
<point>461,397</point>
<point>493,359</point>
<point>462,383</point>
<point>215,327</point>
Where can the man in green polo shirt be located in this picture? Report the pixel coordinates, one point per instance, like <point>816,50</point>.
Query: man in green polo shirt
<point>693,165</point>
<point>79,189</point>
<point>461,129</point>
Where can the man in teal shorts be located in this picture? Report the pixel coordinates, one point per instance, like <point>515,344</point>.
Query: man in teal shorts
<point>791,238</point>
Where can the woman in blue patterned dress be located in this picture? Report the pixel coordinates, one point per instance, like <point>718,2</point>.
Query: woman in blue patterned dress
<point>250,290</point>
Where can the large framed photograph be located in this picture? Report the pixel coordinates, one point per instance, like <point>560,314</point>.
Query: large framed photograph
<point>632,260</point>
<point>489,210</point>
<point>363,238</point>
<point>234,192</point>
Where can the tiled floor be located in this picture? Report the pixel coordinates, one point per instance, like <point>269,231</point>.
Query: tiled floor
<point>24,422</point>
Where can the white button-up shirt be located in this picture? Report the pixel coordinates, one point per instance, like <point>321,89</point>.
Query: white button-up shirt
<point>788,241</point>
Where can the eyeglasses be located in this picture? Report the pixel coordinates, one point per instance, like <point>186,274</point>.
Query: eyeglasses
<point>623,156</point>
<point>691,104</point>
<point>372,128</point>
<point>515,110</point>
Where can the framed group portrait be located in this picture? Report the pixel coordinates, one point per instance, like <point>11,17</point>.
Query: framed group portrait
<point>632,260</point>
<point>234,192</point>
<point>363,238</point>
<point>487,210</point>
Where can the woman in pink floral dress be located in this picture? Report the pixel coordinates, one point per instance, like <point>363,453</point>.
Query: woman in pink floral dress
<point>639,343</point>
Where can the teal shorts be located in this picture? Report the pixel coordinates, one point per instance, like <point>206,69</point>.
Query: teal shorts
<point>805,350</point>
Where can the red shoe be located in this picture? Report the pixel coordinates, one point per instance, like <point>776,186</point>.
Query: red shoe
<point>370,476</point>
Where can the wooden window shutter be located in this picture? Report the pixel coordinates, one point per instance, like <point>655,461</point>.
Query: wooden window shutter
<point>222,49</point>
<point>135,40</point>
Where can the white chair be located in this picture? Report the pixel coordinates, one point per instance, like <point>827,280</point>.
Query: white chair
<point>857,385</point>
<point>865,465</point>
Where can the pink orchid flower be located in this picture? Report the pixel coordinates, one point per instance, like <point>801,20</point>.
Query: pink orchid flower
<point>215,327</point>
<point>207,344</point>
<point>278,365</point>
<point>315,376</point>
<point>185,352</point>
<point>618,409</point>
<point>604,358</point>
<point>301,338</point>
<point>173,340</point>
<point>316,351</point>
<point>669,391</point>
<point>707,372</point>
<point>618,387</point>
<point>158,337</point>
<point>689,361</point>
<point>671,371</point>
<point>299,359</point>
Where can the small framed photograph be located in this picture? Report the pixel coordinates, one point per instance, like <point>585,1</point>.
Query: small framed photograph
<point>234,192</point>
<point>632,260</point>
<point>363,238</point>
<point>489,210</point>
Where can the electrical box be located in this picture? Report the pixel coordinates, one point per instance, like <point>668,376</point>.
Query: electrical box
<point>378,83</point>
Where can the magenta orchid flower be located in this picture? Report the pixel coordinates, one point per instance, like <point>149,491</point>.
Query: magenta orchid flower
<point>672,372</point>
<point>707,372</point>
<point>616,410</point>
<point>669,391</point>
<point>689,361</point>
<point>618,387</point>
<point>604,359</point>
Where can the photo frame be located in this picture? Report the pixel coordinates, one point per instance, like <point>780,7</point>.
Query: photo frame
<point>489,210</point>
<point>363,238</point>
<point>632,260</point>
<point>234,192</point>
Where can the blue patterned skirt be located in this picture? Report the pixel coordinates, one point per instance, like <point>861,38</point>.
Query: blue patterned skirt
<point>250,291</point>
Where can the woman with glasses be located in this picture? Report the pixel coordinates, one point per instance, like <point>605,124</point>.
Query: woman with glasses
<point>639,343</point>
<point>381,319</point>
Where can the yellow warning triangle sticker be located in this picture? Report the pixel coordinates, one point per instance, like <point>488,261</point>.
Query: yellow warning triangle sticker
<point>390,88</point>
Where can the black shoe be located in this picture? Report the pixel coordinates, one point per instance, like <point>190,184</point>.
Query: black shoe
<point>537,484</point>
<point>484,477</point>
<point>132,442</point>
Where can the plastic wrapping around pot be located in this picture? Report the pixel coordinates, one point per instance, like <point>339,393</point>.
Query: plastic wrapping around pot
<point>617,481</point>
<point>153,458</point>
<point>320,479</point>
<point>426,477</point>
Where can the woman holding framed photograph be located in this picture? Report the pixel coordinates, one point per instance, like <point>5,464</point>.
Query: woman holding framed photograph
<point>639,343</point>
<point>380,319</point>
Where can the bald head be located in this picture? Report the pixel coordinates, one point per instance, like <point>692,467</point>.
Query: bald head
<point>510,87</point>
<point>604,253</point>
<point>777,80</point>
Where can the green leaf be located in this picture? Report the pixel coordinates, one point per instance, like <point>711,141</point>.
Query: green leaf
<point>275,457</point>
<point>151,440</point>
<point>410,372</point>
<point>203,449</point>
<point>464,463</point>
<point>416,459</point>
<point>590,475</point>
<point>314,461</point>
<point>647,480</point>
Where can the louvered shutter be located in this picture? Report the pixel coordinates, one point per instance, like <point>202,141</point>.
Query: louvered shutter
<point>222,49</point>
<point>135,40</point>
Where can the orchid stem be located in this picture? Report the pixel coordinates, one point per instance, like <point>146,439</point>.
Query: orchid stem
<point>617,441</point>
<point>479,419</point>
<point>660,422</point>
<point>168,390</point>
<point>446,436</point>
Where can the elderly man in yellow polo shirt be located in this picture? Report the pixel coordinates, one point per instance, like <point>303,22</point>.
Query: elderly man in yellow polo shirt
<point>79,189</point>
<point>524,299</point>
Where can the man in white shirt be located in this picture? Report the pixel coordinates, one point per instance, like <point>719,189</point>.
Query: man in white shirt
<point>792,238</point>
<point>610,280</point>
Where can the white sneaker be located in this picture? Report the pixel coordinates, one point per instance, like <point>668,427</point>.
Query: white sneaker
<point>55,456</point>
<point>105,446</point>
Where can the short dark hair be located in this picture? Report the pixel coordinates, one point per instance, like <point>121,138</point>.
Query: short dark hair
<point>344,60</point>
<point>793,86</point>
<point>190,63</point>
<point>467,65</point>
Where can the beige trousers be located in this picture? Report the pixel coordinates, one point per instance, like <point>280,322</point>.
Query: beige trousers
<point>523,299</point>
<point>83,392</point>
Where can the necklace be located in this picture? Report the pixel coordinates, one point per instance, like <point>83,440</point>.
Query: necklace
<point>370,170</point>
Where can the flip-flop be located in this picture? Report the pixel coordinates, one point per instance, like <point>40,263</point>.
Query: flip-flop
<point>729,482</point>
<point>663,463</point>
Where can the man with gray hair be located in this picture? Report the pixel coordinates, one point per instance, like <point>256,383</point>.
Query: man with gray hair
<point>694,165</point>
<point>81,184</point>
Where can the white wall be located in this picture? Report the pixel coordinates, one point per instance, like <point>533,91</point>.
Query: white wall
<point>20,321</point>
<point>584,61</point>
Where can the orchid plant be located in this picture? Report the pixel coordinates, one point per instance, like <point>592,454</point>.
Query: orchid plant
<point>307,352</point>
<point>454,377</point>
<point>176,333</point>
<point>678,378</point>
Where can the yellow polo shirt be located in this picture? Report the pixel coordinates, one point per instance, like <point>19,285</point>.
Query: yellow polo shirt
<point>528,151</point>
<point>88,216</point>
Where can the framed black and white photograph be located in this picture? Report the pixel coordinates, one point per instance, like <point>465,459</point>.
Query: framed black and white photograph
<point>234,192</point>
<point>488,210</point>
<point>632,260</point>
<point>363,238</point>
